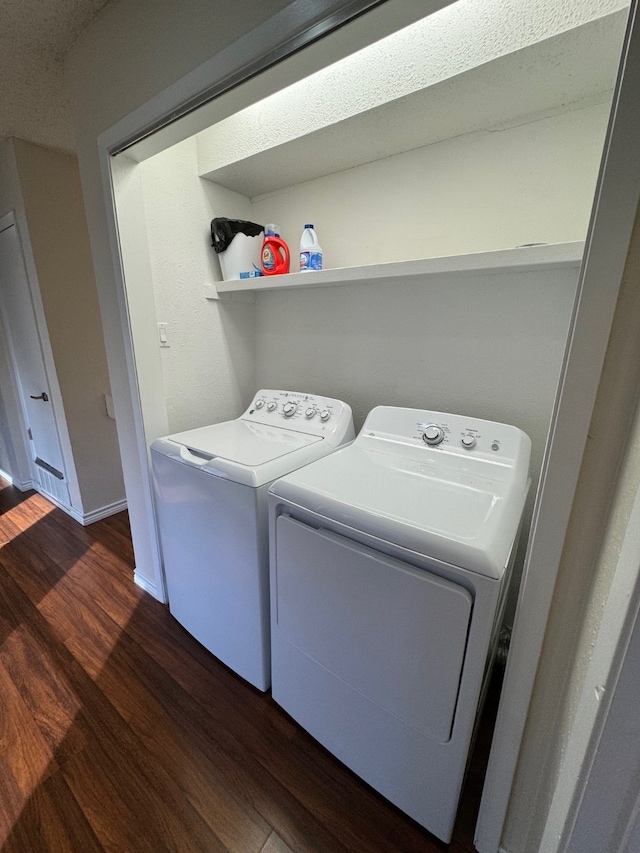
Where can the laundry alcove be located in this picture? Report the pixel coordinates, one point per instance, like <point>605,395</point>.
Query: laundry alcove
<point>424,161</point>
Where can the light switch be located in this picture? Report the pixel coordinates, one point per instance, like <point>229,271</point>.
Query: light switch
<point>108,401</point>
<point>162,332</point>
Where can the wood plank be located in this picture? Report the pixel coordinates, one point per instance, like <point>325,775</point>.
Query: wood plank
<point>52,821</point>
<point>131,808</point>
<point>44,689</point>
<point>25,757</point>
<point>8,528</point>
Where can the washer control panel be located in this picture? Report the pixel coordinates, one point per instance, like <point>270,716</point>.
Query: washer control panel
<point>308,413</point>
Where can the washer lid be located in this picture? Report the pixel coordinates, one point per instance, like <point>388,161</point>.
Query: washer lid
<point>458,517</point>
<point>244,442</point>
<point>242,451</point>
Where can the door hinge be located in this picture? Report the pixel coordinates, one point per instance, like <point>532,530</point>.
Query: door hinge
<point>29,433</point>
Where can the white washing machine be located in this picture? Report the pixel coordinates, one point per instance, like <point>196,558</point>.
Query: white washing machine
<point>211,500</point>
<point>389,567</point>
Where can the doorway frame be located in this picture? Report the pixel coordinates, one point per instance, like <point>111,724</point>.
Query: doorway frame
<point>613,214</point>
<point>8,220</point>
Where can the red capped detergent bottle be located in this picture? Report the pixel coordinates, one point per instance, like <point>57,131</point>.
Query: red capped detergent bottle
<point>275,252</point>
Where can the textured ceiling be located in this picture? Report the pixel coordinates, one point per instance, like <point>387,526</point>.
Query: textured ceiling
<point>34,36</point>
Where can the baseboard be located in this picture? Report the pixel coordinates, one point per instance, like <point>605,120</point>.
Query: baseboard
<point>149,586</point>
<point>103,512</point>
<point>27,486</point>
<point>83,518</point>
<point>22,487</point>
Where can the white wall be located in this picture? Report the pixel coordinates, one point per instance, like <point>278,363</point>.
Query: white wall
<point>477,344</point>
<point>532,183</point>
<point>209,367</point>
<point>54,212</point>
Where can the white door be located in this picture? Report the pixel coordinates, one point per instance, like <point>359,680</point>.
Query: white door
<point>26,356</point>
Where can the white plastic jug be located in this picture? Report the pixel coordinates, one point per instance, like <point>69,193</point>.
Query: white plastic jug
<point>310,250</point>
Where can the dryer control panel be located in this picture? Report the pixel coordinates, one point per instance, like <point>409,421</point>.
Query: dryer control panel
<point>303,412</point>
<point>490,449</point>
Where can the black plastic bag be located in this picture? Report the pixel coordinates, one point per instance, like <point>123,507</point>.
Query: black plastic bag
<point>223,231</point>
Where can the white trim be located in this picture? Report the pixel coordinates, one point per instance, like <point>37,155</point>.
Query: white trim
<point>619,621</point>
<point>606,812</point>
<point>82,518</point>
<point>148,586</point>
<point>615,207</point>
<point>7,477</point>
<point>25,486</point>
<point>130,422</point>
<point>103,512</point>
<point>158,124</point>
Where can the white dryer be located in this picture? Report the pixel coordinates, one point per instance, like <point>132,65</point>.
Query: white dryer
<point>389,567</point>
<point>211,500</point>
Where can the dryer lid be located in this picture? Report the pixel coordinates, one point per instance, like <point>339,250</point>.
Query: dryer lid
<point>460,519</point>
<point>448,486</point>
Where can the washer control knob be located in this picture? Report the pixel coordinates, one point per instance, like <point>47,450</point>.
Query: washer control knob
<point>325,414</point>
<point>271,405</point>
<point>259,404</point>
<point>468,441</point>
<point>289,409</point>
<point>310,412</point>
<point>433,435</point>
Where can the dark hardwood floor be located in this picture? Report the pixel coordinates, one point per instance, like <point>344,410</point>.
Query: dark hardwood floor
<point>119,732</point>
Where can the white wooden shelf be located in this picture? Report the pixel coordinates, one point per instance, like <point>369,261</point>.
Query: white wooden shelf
<point>520,259</point>
<point>254,157</point>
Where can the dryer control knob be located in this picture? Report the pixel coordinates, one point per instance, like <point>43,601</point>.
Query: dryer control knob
<point>325,415</point>
<point>271,406</point>
<point>289,409</point>
<point>468,441</point>
<point>310,413</point>
<point>433,435</point>
<point>259,404</point>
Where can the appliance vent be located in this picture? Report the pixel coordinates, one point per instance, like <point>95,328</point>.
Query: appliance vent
<point>52,486</point>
